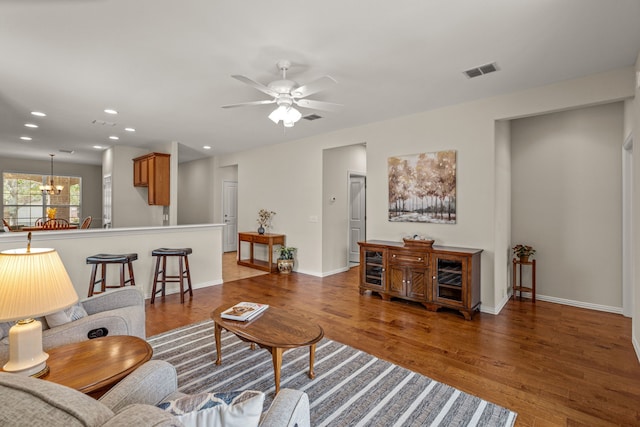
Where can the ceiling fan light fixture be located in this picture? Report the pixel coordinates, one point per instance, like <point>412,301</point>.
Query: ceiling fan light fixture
<point>285,113</point>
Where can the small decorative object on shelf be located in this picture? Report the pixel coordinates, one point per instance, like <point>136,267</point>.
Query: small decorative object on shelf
<point>418,241</point>
<point>523,252</point>
<point>51,213</point>
<point>285,259</point>
<point>264,220</point>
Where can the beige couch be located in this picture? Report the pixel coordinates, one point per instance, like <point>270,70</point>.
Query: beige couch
<point>32,402</point>
<point>120,311</point>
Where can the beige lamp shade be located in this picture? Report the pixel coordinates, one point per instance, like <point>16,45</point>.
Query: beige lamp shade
<point>33,284</point>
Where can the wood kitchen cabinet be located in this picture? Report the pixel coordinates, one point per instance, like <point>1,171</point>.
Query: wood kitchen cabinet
<point>437,276</point>
<point>153,171</point>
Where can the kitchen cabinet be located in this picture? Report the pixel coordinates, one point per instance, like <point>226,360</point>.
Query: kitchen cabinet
<point>153,171</point>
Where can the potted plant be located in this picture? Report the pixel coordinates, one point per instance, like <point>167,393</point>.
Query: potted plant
<point>285,259</point>
<point>523,252</point>
<point>264,220</point>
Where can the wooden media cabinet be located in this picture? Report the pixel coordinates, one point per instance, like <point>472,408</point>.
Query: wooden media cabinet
<point>435,276</point>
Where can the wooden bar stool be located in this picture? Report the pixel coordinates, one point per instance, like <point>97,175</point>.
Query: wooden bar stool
<point>103,260</point>
<point>183,271</point>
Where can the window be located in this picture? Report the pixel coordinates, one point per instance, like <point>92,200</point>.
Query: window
<point>23,202</point>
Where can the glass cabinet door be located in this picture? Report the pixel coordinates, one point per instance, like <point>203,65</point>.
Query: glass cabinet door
<point>374,269</point>
<point>448,277</point>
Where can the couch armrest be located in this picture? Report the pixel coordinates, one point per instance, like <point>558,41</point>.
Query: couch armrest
<point>149,384</point>
<point>143,415</point>
<point>289,408</point>
<point>121,297</point>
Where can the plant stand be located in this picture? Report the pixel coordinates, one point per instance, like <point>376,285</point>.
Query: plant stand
<point>517,278</point>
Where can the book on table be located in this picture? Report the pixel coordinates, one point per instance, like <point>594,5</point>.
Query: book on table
<point>244,311</point>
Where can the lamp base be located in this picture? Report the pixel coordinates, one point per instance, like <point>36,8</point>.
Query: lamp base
<point>25,349</point>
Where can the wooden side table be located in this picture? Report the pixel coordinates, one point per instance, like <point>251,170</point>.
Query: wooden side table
<point>252,238</point>
<point>275,330</point>
<point>94,366</point>
<point>517,279</point>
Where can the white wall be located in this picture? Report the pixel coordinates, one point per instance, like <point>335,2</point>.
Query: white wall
<point>636,218</point>
<point>74,246</point>
<point>130,204</point>
<point>195,180</point>
<point>90,174</point>
<point>336,165</point>
<point>567,202</point>
<point>468,128</point>
<point>502,222</point>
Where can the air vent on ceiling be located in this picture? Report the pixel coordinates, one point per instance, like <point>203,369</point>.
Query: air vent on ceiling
<point>481,70</point>
<point>312,117</point>
<point>62,150</point>
<point>103,123</point>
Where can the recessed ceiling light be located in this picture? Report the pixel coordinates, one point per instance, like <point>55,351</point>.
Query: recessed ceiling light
<point>98,147</point>
<point>26,138</point>
<point>115,138</point>
<point>130,129</point>
<point>110,111</point>
<point>207,147</point>
<point>38,113</point>
<point>31,125</point>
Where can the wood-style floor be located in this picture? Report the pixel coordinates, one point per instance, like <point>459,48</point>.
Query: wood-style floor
<point>550,363</point>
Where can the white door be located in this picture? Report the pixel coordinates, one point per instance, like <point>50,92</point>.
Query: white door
<point>357,215</point>
<point>230,213</point>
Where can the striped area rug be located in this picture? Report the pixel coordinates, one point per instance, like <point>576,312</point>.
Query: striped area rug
<point>351,388</point>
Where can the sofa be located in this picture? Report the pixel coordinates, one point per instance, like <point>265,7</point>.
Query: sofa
<point>32,402</point>
<point>120,311</point>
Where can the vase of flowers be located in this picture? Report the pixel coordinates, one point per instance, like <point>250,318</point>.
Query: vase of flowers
<point>285,259</point>
<point>264,220</point>
<point>523,252</point>
<point>51,213</point>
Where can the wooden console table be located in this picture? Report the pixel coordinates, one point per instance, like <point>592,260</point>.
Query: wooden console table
<point>268,239</point>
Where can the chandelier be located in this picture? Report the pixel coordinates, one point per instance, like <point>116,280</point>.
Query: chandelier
<point>51,188</point>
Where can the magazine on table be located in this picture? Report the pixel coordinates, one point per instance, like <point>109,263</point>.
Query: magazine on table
<point>244,311</point>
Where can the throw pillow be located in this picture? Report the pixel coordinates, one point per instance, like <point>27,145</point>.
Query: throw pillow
<point>233,409</point>
<point>70,314</point>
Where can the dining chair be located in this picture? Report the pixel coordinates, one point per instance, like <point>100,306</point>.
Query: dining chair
<point>86,223</point>
<point>39,222</point>
<point>6,224</point>
<point>56,223</point>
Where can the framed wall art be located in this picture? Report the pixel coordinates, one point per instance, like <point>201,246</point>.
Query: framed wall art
<point>422,187</point>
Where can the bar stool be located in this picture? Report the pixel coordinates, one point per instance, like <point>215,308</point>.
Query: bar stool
<point>103,260</point>
<point>183,271</point>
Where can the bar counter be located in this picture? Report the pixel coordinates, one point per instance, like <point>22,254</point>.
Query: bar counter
<point>74,246</point>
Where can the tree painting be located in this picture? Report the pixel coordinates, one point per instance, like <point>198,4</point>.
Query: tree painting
<point>422,188</point>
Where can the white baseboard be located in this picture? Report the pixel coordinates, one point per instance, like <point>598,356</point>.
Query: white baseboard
<point>573,303</point>
<point>325,273</point>
<point>174,288</point>
<point>636,347</point>
<point>494,310</point>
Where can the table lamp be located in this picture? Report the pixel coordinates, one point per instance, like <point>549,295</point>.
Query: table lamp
<point>33,283</point>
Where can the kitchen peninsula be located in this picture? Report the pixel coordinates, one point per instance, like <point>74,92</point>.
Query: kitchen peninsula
<point>74,246</point>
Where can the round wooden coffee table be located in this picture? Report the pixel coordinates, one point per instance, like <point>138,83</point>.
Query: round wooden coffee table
<point>275,330</point>
<point>94,366</point>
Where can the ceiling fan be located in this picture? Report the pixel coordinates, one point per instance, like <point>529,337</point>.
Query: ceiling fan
<point>287,93</point>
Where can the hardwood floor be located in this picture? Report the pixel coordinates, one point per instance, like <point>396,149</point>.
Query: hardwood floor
<point>552,364</point>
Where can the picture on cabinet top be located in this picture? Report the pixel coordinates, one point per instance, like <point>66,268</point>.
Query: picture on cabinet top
<point>422,188</point>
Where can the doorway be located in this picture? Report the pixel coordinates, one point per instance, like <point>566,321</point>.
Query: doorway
<point>357,215</point>
<point>627,231</point>
<point>230,215</point>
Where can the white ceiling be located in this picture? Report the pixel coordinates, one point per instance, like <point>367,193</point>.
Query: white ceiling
<point>165,65</point>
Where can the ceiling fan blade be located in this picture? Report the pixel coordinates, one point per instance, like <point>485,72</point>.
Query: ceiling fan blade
<point>318,105</point>
<point>245,104</point>
<point>315,86</point>
<point>254,84</point>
